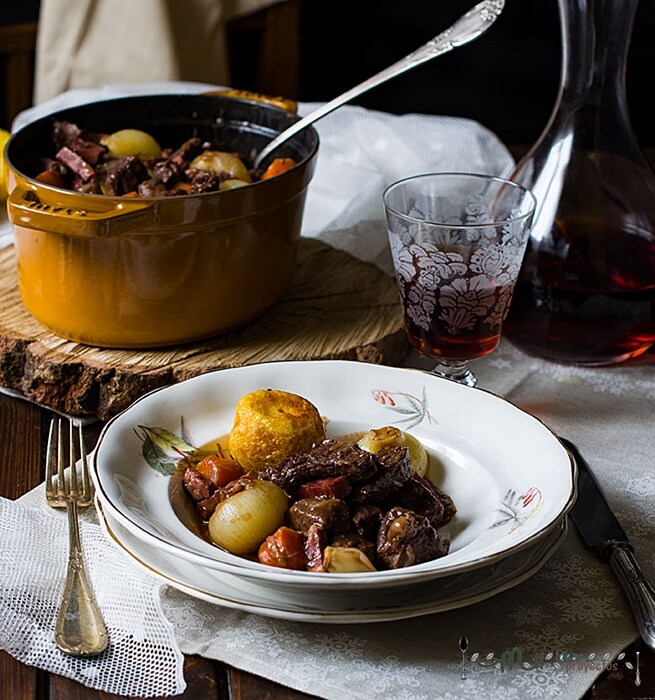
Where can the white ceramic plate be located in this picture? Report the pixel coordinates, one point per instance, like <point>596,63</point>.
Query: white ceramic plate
<point>231,591</point>
<point>509,476</point>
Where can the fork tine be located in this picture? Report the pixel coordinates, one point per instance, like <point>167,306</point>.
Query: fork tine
<point>49,458</point>
<point>72,459</point>
<point>61,481</point>
<point>86,484</point>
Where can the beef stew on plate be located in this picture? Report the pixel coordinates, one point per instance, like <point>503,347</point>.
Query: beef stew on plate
<point>355,504</point>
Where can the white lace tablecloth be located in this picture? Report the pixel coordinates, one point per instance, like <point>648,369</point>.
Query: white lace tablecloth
<point>569,620</point>
<point>571,606</point>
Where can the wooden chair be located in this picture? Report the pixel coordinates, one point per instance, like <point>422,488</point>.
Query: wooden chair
<point>17,48</point>
<point>264,50</point>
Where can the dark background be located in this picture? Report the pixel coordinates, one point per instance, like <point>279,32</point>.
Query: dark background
<point>16,11</point>
<point>507,79</point>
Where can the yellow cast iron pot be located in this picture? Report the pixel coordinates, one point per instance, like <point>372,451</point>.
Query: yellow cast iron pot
<point>147,272</point>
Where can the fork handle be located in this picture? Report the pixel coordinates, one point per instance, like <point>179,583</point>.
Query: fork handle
<point>80,629</point>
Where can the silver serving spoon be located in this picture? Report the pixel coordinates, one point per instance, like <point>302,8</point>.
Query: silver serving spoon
<point>467,28</point>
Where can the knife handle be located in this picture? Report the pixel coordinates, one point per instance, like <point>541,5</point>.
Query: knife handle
<point>639,591</point>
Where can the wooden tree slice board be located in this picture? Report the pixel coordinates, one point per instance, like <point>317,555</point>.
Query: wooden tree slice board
<point>336,307</point>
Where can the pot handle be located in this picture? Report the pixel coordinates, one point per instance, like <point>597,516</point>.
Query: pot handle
<point>281,102</point>
<point>26,209</point>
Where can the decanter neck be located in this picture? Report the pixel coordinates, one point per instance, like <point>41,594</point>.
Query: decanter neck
<point>595,41</point>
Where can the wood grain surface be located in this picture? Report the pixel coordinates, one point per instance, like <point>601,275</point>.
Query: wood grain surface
<point>336,307</point>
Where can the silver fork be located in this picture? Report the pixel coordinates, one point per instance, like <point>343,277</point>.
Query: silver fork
<point>80,629</point>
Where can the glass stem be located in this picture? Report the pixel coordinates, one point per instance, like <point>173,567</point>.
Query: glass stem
<point>457,371</point>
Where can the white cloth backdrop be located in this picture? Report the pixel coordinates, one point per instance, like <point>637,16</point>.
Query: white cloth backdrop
<point>88,43</point>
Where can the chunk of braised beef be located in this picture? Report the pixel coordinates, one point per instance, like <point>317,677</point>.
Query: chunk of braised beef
<point>92,153</point>
<point>406,538</point>
<point>240,484</point>
<point>330,513</point>
<point>153,188</point>
<point>123,175</point>
<point>86,144</point>
<point>330,487</point>
<point>75,163</point>
<point>356,541</point>
<point>63,132</point>
<point>396,471</point>
<point>366,520</point>
<point>447,503</point>
<point>85,186</point>
<point>202,181</point>
<point>167,172</point>
<point>315,543</point>
<point>422,496</point>
<point>330,458</point>
<point>187,152</point>
<point>355,463</point>
<point>198,485</point>
<point>207,506</point>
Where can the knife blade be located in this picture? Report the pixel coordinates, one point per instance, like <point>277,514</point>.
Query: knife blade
<point>603,533</point>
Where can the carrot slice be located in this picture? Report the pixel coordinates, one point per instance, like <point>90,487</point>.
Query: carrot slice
<point>277,167</point>
<point>219,470</point>
<point>284,548</point>
<point>51,177</point>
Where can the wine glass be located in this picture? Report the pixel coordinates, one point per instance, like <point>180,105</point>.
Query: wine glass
<point>457,242</point>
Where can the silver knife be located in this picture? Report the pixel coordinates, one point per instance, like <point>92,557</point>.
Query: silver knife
<point>603,533</point>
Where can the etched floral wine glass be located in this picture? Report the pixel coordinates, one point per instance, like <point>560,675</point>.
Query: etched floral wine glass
<point>457,242</point>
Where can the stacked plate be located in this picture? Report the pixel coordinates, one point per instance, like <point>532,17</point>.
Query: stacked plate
<point>511,479</point>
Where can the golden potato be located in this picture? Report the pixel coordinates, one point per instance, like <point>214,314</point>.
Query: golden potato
<point>232,184</point>
<point>131,142</point>
<point>346,560</point>
<point>388,436</point>
<point>221,163</point>
<point>269,425</point>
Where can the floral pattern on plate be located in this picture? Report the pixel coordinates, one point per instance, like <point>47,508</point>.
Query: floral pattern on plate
<point>163,449</point>
<point>414,410</point>
<point>516,509</point>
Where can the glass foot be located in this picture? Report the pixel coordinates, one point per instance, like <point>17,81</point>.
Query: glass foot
<point>457,371</point>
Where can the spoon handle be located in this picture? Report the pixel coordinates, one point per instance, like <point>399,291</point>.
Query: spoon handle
<point>467,28</point>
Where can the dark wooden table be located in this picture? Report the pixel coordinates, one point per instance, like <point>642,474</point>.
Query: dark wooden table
<point>23,434</point>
